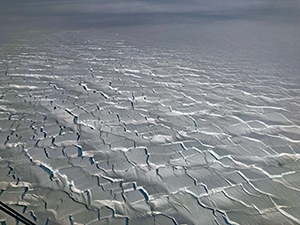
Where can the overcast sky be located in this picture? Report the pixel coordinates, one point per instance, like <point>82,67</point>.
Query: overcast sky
<point>92,13</point>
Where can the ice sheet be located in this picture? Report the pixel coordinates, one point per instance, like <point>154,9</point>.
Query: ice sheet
<point>98,128</point>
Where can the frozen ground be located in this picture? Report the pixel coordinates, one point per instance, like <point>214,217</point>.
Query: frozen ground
<point>98,128</point>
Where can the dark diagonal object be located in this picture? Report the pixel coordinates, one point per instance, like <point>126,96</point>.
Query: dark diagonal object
<point>15,214</point>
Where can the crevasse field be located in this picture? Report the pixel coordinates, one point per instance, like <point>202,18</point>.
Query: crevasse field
<point>150,112</point>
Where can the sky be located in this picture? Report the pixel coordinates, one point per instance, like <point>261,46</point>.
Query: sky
<point>92,13</point>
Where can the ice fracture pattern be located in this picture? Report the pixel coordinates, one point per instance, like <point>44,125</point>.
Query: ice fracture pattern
<point>103,132</point>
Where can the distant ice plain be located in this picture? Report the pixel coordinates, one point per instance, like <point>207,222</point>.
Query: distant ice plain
<point>161,112</point>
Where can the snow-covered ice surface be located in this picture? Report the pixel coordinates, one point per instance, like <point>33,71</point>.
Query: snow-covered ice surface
<point>193,122</point>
